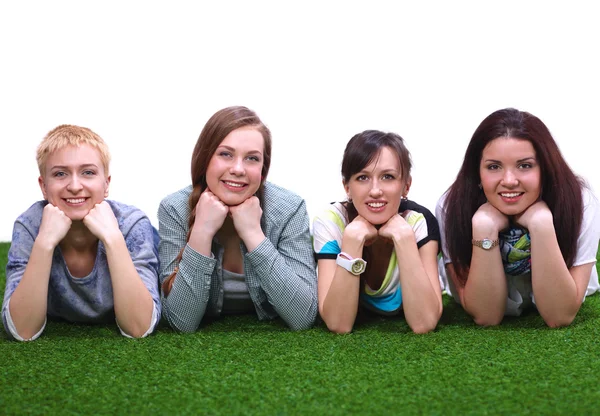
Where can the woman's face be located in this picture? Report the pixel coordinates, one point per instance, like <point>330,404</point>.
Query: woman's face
<point>510,175</point>
<point>235,169</point>
<point>74,180</point>
<point>377,189</point>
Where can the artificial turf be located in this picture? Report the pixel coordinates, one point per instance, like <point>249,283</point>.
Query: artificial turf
<point>237,365</point>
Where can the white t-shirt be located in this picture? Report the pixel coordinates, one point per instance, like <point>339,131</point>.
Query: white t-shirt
<point>587,247</point>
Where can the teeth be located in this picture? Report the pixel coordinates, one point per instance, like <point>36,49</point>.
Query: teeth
<point>510,194</point>
<point>235,185</point>
<point>75,201</point>
<point>376,204</point>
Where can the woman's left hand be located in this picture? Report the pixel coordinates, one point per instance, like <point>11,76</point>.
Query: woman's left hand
<point>537,213</point>
<point>396,228</point>
<point>101,221</point>
<point>246,220</point>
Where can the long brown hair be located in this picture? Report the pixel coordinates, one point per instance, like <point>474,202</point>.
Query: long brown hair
<point>214,132</point>
<point>560,187</point>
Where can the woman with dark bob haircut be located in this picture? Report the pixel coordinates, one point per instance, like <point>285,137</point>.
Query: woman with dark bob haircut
<point>377,250</point>
<point>519,228</point>
<point>232,243</point>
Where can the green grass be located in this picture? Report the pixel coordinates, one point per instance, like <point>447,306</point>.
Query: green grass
<point>238,365</point>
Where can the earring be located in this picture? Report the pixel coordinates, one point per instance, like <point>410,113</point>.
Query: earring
<point>480,186</point>
<point>349,198</point>
<point>404,198</point>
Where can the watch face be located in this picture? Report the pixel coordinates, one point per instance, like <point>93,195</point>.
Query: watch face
<point>358,266</point>
<point>486,244</point>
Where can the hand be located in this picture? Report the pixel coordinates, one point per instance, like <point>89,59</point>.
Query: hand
<point>210,213</point>
<point>489,219</point>
<point>101,222</point>
<point>361,231</point>
<point>246,218</point>
<point>55,225</point>
<point>396,228</point>
<point>537,213</point>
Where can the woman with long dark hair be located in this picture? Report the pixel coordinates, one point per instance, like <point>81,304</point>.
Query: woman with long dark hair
<point>377,250</point>
<point>231,242</point>
<point>518,226</point>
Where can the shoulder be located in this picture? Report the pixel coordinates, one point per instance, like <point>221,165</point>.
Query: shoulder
<point>333,213</point>
<point>417,210</point>
<point>420,218</point>
<point>176,203</point>
<point>32,217</point>
<point>590,201</point>
<point>280,203</point>
<point>127,215</point>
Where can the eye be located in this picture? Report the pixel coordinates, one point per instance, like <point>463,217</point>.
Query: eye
<point>254,158</point>
<point>88,173</point>
<point>388,177</point>
<point>59,174</point>
<point>361,178</point>
<point>225,153</point>
<point>493,166</point>
<point>525,165</point>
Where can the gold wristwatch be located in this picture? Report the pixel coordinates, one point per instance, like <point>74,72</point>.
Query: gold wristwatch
<point>486,243</point>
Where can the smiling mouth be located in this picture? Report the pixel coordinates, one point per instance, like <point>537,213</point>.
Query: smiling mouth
<point>234,185</point>
<point>376,204</point>
<point>75,200</point>
<point>511,194</point>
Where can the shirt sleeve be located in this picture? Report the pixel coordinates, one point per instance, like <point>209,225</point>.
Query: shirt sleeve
<point>328,229</point>
<point>144,254</point>
<point>18,257</point>
<point>186,304</point>
<point>285,270</point>
<point>589,234</point>
<point>440,215</point>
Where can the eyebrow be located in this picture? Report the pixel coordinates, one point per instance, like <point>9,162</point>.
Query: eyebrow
<point>87,165</point>
<point>518,161</point>
<point>231,149</point>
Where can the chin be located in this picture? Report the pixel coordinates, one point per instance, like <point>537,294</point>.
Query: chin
<point>375,219</point>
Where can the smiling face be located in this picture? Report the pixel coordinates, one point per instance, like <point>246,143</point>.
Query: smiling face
<point>377,189</point>
<point>74,180</point>
<point>234,171</point>
<point>510,175</point>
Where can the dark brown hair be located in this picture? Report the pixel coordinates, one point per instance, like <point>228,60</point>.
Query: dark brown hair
<point>560,187</point>
<point>214,132</point>
<point>363,148</point>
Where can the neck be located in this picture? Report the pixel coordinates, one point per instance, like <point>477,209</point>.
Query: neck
<point>227,231</point>
<point>79,238</point>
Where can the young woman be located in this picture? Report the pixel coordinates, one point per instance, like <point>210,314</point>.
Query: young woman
<point>377,249</point>
<point>231,242</point>
<point>519,228</point>
<point>75,255</point>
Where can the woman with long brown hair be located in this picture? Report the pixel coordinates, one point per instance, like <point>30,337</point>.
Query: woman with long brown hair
<point>231,242</point>
<point>519,228</point>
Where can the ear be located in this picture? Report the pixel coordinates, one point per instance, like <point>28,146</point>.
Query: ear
<point>42,186</point>
<point>407,187</point>
<point>346,187</point>
<point>106,186</point>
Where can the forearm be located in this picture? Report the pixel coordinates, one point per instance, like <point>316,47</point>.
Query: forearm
<point>132,301</point>
<point>28,303</point>
<point>341,303</point>
<point>555,291</point>
<point>291,290</point>
<point>186,304</point>
<point>422,302</point>
<point>485,293</point>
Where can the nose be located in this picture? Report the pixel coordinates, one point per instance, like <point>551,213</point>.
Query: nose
<point>237,167</point>
<point>509,179</point>
<point>74,184</point>
<point>375,191</point>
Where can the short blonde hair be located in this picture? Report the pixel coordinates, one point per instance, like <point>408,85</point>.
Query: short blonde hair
<point>68,135</point>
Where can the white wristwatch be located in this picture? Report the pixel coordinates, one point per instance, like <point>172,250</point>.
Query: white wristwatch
<point>354,266</point>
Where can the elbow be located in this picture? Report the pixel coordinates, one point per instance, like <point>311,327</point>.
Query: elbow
<point>339,328</point>
<point>559,321</point>
<point>488,320</point>
<point>426,325</point>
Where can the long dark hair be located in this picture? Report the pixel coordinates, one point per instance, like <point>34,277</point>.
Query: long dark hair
<point>560,187</point>
<point>214,132</point>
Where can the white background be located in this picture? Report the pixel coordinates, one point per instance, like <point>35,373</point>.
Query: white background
<point>146,76</point>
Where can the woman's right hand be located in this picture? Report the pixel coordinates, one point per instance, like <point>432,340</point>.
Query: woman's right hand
<point>489,219</point>
<point>210,213</point>
<point>361,232</point>
<point>54,227</point>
